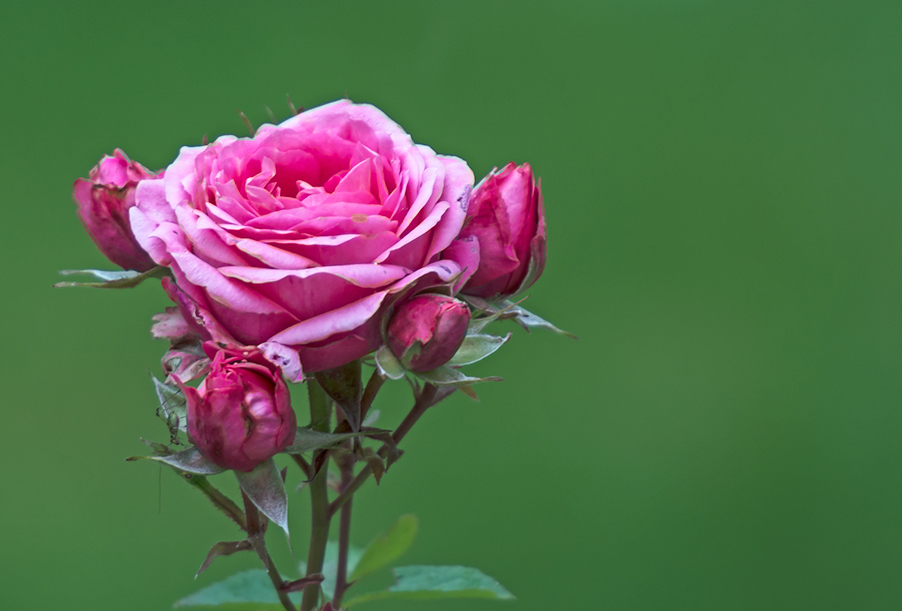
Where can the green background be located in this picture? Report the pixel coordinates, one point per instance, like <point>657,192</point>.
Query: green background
<point>722,182</point>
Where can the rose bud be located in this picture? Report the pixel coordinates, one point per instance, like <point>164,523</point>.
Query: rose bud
<point>425,332</point>
<point>241,413</point>
<point>103,200</point>
<point>507,216</point>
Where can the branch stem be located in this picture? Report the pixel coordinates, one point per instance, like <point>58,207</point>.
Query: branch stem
<point>344,535</point>
<point>424,401</point>
<point>219,500</point>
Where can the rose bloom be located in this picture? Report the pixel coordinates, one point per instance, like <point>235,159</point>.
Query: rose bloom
<point>303,235</point>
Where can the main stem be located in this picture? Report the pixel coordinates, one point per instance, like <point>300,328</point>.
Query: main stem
<point>319,499</point>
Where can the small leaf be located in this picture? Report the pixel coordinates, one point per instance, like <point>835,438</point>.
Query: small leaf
<point>245,591</point>
<point>433,582</point>
<point>476,347</point>
<point>223,548</point>
<point>190,461</point>
<point>388,364</point>
<point>173,405</point>
<point>265,488</point>
<point>388,547</point>
<point>448,376</point>
<point>376,464</point>
<point>527,319</point>
<point>307,440</point>
<point>111,279</point>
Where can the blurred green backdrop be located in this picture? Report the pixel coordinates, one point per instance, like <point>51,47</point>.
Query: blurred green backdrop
<point>723,194</point>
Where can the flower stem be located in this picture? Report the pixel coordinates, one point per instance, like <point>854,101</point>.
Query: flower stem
<point>219,500</point>
<point>344,535</point>
<point>257,538</point>
<point>319,498</point>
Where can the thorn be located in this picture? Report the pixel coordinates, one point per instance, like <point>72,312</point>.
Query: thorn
<point>250,126</point>
<point>270,113</point>
<point>205,140</point>
<point>291,107</point>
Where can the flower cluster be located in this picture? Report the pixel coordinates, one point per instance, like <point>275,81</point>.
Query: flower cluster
<point>317,246</point>
<point>308,246</point>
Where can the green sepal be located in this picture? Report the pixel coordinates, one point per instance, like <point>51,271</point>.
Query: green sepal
<point>476,347</point>
<point>388,547</point>
<point>245,591</point>
<point>528,320</point>
<point>435,582</point>
<point>190,461</point>
<point>265,487</point>
<point>448,376</point>
<point>308,439</point>
<point>388,364</point>
<point>111,279</point>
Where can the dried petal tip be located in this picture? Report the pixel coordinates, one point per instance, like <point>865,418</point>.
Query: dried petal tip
<point>103,201</point>
<point>425,332</point>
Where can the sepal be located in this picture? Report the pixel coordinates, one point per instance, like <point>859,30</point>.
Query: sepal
<point>528,320</point>
<point>111,279</point>
<point>189,461</point>
<point>266,489</point>
<point>448,376</point>
<point>388,364</point>
<point>308,440</point>
<point>476,347</point>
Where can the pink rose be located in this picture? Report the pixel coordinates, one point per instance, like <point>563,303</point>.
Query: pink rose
<point>241,414</point>
<point>104,200</point>
<point>506,225</point>
<point>303,235</point>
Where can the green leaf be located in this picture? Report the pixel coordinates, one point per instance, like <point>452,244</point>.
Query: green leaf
<point>433,582</point>
<point>330,566</point>
<point>388,364</point>
<point>190,461</point>
<point>388,547</point>
<point>265,488</point>
<point>476,347</point>
<point>307,440</point>
<point>448,376</point>
<point>111,279</point>
<point>246,591</point>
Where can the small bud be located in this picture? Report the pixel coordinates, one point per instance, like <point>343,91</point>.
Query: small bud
<point>507,217</point>
<point>425,332</point>
<point>241,414</point>
<point>103,201</point>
